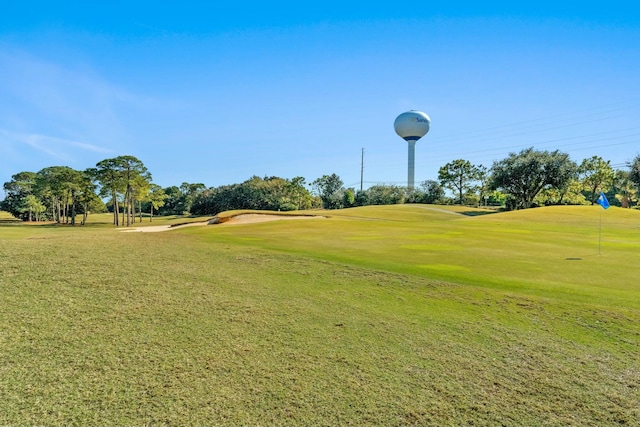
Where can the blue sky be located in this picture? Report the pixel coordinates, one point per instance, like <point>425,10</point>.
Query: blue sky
<point>217,92</point>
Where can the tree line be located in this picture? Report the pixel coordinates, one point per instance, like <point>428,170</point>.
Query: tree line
<point>522,180</point>
<point>60,193</point>
<point>534,178</point>
<point>124,187</point>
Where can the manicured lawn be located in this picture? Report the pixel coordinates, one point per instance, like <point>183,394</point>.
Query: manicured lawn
<point>536,251</point>
<point>390,315</point>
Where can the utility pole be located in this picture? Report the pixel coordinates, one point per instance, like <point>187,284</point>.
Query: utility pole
<point>362,169</point>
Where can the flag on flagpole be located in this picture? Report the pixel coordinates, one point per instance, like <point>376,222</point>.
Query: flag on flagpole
<point>602,201</point>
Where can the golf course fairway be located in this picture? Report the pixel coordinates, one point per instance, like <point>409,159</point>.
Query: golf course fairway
<point>380,315</point>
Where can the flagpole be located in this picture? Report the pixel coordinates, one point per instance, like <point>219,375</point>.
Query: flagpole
<point>602,201</point>
<point>600,233</point>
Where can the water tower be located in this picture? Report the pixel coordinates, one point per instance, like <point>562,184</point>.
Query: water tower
<point>411,126</point>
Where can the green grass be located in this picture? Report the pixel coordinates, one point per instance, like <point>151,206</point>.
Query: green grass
<point>531,251</point>
<point>390,315</point>
<point>5,215</point>
<point>7,218</point>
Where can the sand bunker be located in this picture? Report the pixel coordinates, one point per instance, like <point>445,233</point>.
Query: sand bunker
<point>158,228</point>
<point>253,218</point>
<point>239,219</point>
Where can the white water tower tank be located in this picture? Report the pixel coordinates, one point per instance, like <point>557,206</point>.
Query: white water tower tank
<point>411,126</point>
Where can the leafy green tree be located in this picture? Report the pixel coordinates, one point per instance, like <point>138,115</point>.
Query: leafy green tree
<point>268,193</point>
<point>140,190</point>
<point>459,176</point>
<point>596,174</point>
<point>74,185</point>
<point>189,193</point>
<point>427,192</point>
<point>134,175</point>
<point>571,194</point>
<point>525,174</point>
<point>432,192</point>
<point>329,188</point>
<point>495,198</point>
<point>58,185</point>
<point>180,200</point>
<point>413,195</point>
<point>122,176</point>
<point>156,198</point>
<point>173,202</point>
<point>34,207</point>
<point>483,178</point>
<point>108,174</point>
<point>348,198</point>
<point>626,190</point>
<point>362,198</point>
<point>213,200</point>
<point>64,190</point>
<point>21,185</point>
<point>386,195</point>
<point>634,174</point>
<point>86,197</point>
<point>299,194</point>
<point>471,198</point>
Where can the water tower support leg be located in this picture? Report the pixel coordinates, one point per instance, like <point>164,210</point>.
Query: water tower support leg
<point>411,163</point>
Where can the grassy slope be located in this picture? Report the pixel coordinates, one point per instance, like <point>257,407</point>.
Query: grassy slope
<point>383,315</point>
<point>538,251</point>
<point>6,217</point>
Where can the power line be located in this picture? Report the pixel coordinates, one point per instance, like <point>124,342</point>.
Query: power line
<point>535,124</point>
<point>574,143</point>
<point>508,147</point>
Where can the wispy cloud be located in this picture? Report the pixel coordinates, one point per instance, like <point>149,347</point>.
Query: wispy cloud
<point>55,107</point>
<point>59,148</point>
